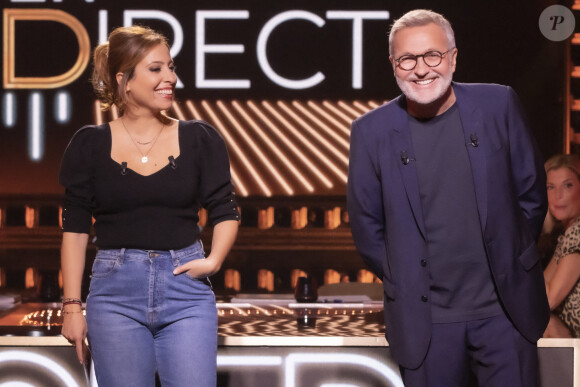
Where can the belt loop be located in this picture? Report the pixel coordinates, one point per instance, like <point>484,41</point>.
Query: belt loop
<point>174,258</point>
<point>121,255</point>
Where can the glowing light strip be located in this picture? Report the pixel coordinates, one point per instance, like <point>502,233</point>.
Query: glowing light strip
<point>355,113</point>
<point>240,187</point>
<point>62,108</point>
<point>41,361</point>
<point>261,156</point>
<point>193,110</point>
<point>9,113</point>
<point>215,119</point>
<point>294,359</point>
<point>360,106</point>
<point>177,110</point>
<point>36,126</point>
<point>321,124</point>
<point>98,113</point>
<point>344,128</point>
<point>289,143</point>
<point>224,361</point>
<point>330,147</point>
<point>277,151</point>
<point>374,104</point>
<point>337,111</point>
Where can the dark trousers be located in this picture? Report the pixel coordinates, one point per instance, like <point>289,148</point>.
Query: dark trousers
<point>490,350</point>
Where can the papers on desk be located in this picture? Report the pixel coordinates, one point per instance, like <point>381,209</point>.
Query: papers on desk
<point>9,300</point>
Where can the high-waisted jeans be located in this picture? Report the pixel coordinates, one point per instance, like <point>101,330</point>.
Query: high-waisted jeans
<point>141,319</point>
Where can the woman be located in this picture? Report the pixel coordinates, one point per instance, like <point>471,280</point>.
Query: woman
<point>562,275</point>
<point>143,177</point>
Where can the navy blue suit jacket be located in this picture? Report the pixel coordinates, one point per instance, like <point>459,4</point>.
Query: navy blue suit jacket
<point>387,222</point>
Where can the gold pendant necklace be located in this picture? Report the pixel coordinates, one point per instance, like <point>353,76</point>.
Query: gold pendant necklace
<point>144,156</point>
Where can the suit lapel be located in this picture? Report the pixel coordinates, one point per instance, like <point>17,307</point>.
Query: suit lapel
<point>472,123</point>
<point>402,142</point>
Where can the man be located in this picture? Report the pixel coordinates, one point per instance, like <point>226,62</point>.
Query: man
<point>446,196</point>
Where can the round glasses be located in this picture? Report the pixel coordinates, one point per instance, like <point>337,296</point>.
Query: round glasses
<point>430,58</point>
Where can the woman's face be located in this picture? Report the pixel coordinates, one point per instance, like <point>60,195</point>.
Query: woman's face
<point>153,81</point>
<point>564,195</point>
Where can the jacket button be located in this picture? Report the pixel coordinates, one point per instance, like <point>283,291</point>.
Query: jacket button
<point>423,262</point>
<point>424,298</point>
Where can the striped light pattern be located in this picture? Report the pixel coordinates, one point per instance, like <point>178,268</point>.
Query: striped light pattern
<point>279,147</point>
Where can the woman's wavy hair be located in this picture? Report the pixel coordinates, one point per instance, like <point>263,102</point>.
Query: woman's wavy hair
<point>572,162</point>
<point>125,48</point>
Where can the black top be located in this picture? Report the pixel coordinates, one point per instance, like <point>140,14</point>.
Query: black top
<point>155,212</point>
<point>461,285</point>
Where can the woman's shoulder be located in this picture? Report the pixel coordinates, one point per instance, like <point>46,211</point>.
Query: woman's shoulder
<point>200,130</point>
<point>88,135</point>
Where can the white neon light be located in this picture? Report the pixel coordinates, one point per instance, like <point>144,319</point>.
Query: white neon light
<point>201,48</point>
<point>343,128</point>
<point>39,361</point>
<point>357,18</point>
<point>36,126</point>
<point>62,107</point>
<point>262,44</point>
<point>224,361</point>
<point>277,151</point>
<point>296,359</point>
<point>9,113</point>
<point>261,156</point>
<point>103,26</point>
<point>16,384</point>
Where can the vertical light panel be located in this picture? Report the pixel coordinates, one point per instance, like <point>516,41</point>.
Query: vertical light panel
<point>36,126</point>
<point>9,109</point>
<point>62,107</point>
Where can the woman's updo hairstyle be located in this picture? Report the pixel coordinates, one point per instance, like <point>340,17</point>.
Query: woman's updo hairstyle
<point>126,47</point>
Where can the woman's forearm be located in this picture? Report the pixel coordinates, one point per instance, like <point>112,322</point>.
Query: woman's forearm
<point>72,261</point>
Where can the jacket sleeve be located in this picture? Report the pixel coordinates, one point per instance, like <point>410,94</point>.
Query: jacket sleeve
<point>364,203</point>
<point>527,166</point>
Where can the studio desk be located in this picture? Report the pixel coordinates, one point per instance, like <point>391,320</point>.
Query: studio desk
<point>262,342</point>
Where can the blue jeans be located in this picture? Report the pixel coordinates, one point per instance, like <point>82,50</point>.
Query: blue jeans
<point>142,319</point>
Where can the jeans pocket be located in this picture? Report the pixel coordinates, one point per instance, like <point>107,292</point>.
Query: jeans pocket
<point>104,267</point>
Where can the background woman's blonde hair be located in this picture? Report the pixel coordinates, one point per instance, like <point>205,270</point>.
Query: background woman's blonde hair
<point>125,48</point>
<point>571,162</point>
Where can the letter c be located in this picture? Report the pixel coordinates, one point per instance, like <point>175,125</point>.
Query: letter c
<point>10,80</point>
<point>263,41</point>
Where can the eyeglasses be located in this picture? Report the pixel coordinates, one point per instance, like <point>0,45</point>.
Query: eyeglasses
<point>430,58</point>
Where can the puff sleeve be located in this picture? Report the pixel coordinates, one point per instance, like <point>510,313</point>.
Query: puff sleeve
<point>76,175</point>
<point>216,189</point>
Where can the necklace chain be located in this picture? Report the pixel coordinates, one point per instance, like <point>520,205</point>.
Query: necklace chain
<point>144,156</point>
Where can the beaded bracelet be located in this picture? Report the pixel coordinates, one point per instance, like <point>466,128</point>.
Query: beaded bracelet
<point>71,299</point>
<point>76,311</point>
<point>71,302</point>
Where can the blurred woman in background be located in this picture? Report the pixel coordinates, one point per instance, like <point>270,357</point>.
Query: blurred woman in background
<point>562,275</point>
